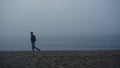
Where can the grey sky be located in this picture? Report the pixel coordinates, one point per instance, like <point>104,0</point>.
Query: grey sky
<point>59,17</point>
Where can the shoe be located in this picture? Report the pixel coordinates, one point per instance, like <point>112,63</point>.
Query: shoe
<point>38,49</point>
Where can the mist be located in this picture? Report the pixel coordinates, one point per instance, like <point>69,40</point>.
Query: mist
<point>59,17</point>
<point>60,24</point>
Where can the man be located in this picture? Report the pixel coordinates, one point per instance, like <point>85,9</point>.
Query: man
<point>33,40</point>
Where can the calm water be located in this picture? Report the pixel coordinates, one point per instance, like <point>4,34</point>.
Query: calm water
<point>62,43</point>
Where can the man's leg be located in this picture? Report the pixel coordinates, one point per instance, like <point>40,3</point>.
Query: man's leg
<point>33,46</point>
<point>36,47</point>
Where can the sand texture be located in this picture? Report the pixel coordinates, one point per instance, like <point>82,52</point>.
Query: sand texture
<point>60,59</point>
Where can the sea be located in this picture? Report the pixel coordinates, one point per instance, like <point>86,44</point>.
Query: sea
<point>61,43</point>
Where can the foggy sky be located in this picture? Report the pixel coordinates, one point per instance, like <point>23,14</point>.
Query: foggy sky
<point>59,17</point>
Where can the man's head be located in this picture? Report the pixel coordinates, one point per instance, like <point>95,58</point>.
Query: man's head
<point>31,33</point>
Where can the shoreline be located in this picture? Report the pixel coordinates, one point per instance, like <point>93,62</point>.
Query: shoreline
<point>63,50</point>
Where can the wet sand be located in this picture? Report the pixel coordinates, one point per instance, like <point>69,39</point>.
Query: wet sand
<point>60,59</point>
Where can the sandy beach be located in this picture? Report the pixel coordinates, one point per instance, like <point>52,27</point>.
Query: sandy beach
<point>60,59</point>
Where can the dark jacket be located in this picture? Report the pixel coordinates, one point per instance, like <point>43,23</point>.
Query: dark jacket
<point>33,38</point>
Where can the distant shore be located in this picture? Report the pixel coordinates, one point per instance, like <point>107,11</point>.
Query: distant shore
<point>60,59</point>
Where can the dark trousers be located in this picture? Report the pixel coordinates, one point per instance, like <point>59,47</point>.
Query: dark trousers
<point>34,47</point>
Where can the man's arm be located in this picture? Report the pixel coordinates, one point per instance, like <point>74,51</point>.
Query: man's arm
<point>34,38</point>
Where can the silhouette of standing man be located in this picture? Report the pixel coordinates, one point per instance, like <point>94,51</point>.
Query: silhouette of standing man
<point>33,40</point>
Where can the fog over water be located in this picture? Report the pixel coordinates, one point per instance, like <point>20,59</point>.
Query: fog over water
<point>60,24</point>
